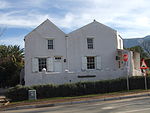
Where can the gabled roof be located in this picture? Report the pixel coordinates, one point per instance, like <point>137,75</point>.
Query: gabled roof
<point>94,22</point>
<point>51,24</point>
<point>47,21</point>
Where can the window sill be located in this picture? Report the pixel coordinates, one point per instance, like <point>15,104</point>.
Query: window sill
<point>51,49</point>
<point>46,72</point>
<point>90,70</point>
<point>53,72</point>
<point>90,48</point>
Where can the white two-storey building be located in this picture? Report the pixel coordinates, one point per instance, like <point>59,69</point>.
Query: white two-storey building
<point>92,52</point>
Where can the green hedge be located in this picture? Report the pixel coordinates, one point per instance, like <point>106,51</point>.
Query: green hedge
<point>19,93</point>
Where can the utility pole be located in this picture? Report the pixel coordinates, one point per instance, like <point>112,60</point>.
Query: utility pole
<point>125,58</point>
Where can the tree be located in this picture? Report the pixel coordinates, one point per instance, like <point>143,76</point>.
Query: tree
<point>11,62</point>
<point>2,30</point>
<point>146,46</point>
<point>140,50</point>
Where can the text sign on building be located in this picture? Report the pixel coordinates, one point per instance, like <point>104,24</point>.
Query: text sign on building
<point>32,94</point>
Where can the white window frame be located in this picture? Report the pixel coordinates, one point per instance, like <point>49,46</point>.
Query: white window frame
<point>42,65</point>
<point>97,60</point>
<point>90,63</point>
<point>58,58</point>
<point>90,44</point>
<point>50,44</point>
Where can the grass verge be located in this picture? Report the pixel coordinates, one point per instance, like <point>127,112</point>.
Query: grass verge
<point>75,98</point>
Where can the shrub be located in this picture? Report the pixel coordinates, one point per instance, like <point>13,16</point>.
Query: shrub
<point>137,82</point>
<point>19,93</point>
<point>45,91</point>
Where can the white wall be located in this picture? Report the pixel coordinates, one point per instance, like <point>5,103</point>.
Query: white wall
<point>36,46</point>
<point>61,78</point>
<point>73,48</point>
<point>105,45</point>
<point>119,41</point>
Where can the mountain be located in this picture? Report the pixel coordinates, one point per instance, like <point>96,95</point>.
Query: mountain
<point>128,43</point>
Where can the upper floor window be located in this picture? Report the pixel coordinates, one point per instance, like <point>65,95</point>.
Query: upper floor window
<point>51,44</point>
<point>90,43</point>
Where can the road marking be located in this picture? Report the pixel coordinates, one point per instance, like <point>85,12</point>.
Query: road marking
<point>108,108</point>
<point>134,110</point>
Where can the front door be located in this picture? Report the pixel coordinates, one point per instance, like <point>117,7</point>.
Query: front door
<point>58,64</point>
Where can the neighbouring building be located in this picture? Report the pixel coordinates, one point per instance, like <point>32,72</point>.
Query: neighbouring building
<point>92,52</point>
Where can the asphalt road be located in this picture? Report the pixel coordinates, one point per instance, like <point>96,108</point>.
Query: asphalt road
<point>134,105</point>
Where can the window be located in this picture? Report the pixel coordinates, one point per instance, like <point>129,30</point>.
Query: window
<point>90,43</point>
<point>42,63</point>
<point>57,58</point>
<point>91,62</point>
<point>50,44</point>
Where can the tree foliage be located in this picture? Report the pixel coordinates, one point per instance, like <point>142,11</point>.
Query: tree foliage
<point>140,50</point>
<point>147,61</point>
<point>11,62</point>
<point>146,46</point>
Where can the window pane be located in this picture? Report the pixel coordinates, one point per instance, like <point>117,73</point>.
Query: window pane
<point>90,43</point>
<point>90,40</point>
<point>57,58</point>
<point>50,41</point>
<point>42,63</point>
<point>50,44</point>
<point>90,62</point>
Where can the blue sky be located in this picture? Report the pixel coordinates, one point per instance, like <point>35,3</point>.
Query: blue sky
<point>131,18</point>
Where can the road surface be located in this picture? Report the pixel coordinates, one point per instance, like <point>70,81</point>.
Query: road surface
<point>134,105</point>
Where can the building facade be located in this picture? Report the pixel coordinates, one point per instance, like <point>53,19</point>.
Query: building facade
<point>89,53</point>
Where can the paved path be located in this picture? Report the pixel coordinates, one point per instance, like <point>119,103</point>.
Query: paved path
<point>132,105</point>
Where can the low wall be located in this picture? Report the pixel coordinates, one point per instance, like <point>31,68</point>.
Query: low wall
<point>71,77</point>
<point>137,72</point>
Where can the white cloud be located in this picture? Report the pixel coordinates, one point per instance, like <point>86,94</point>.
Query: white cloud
<point>4,4</point>
<point>142,21</point>
<point>130,17</point>
<point>33,3</point>
<point>22,19</point>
